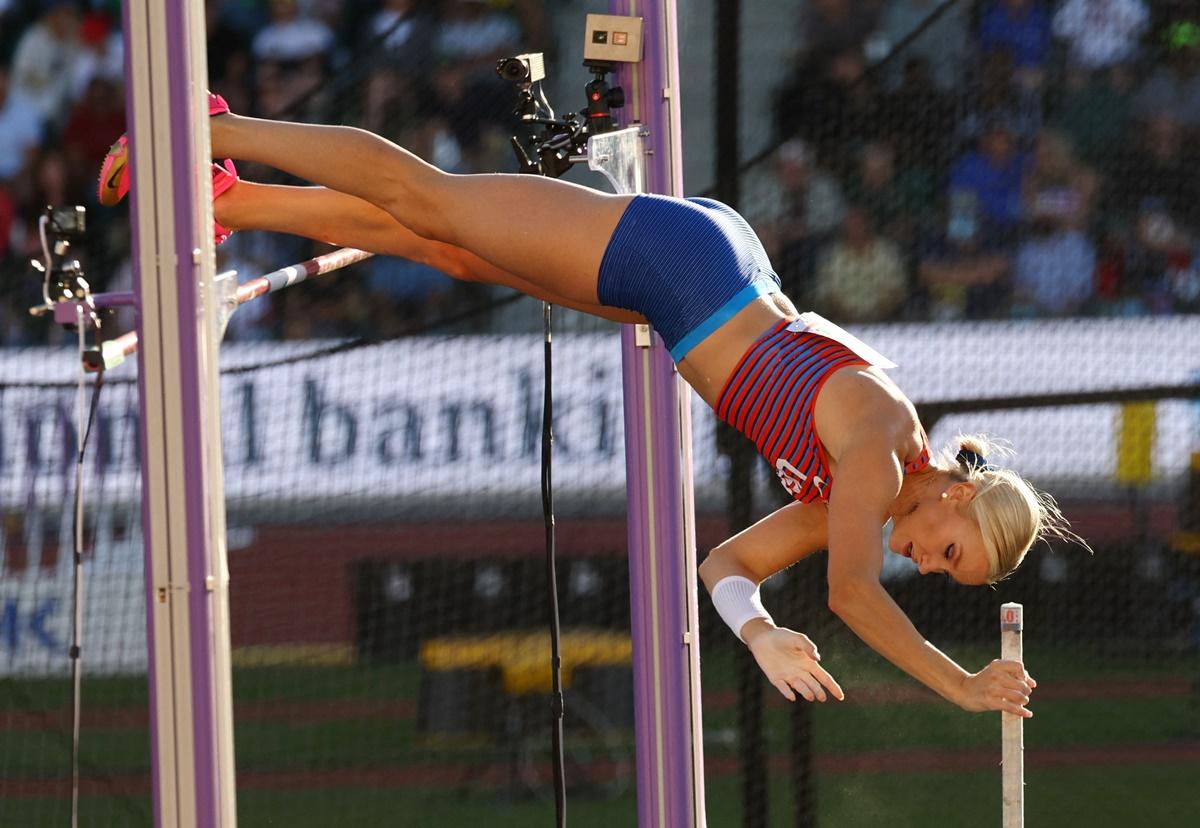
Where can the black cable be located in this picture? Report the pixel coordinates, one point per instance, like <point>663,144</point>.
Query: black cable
<point>556,694</point>
<point>75,652</point>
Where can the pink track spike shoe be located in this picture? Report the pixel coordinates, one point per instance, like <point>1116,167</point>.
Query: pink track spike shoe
<point>114,172</point>
<point>224,176</point>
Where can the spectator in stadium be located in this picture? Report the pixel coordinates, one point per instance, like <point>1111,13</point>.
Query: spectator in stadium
<point>831,102</point>
<point>796,207</point>
<point>999,97</point>
<point>1055,265</point>
<point>471,37</point>
<point>1058,190</point>
<point>695,271</point>
<point>43,67</point>
<point>1093,109</point>
<point>1021,28</point>
<point>861,277</point>
<point>8,214</point>
<point>397,88</point>
<point>10,27</point>
<point>1174,87</point>
<point>293,52</point>
<point>400,293</point>
<point>230,65</point>
<point>90,125</point>
<point>922,120</point>
<point>1155,205</point>
<point>964,270</point>
<point>291,36</point>
<point>836,25</point>
<point>992,175</point>
<point>1159,181</point>
<point>48,183</point>
<point>897,200</point>
<point>942,40</point>
<point>1100,33</point>
<point>20,130</point>
<point>407,31</point>
<point>101,54</point>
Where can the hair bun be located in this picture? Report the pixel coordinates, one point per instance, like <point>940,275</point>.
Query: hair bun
<point>972,460</point>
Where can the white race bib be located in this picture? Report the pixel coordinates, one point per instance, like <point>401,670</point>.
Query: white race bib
<point>815,323</point>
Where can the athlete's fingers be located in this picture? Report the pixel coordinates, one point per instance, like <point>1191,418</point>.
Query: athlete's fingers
<point>814,689</point>
<point>1015,709</point>
<point>1017,686</point>
<point>823,676</point>
<point>798,684</point>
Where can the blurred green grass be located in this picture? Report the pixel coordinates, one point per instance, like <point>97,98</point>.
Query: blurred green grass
<point>1160,796</point>
<point>380,732</point>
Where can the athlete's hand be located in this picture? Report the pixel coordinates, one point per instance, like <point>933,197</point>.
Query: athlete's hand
<point>1002,685</point>
<point>790,661</point>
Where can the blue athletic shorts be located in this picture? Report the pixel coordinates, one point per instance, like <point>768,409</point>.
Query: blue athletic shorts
<point>687,265</point>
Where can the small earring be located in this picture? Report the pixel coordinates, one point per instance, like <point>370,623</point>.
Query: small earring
<point>944,495</point>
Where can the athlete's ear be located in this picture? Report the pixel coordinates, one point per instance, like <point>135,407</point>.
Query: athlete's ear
<point>961,492</point>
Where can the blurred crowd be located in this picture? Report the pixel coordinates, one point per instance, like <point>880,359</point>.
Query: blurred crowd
<point>934,159</point>
<point>997,159</point>
<point>420,72</point>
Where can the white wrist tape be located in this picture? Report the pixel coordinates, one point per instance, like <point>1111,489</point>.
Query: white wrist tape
<point>736,599</point>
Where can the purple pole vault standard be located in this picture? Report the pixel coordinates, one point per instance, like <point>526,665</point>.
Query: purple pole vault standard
<point>151,663</point>
<point>183,508</point>
<point>192,383</point>
<point>658,472</point>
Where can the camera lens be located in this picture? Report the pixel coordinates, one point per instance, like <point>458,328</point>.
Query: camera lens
<point>513,70</point>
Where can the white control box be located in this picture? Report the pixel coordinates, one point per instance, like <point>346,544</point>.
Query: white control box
<point>613,39</point>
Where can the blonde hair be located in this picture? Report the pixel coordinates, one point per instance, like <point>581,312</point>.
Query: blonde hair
<point>1011,513</point>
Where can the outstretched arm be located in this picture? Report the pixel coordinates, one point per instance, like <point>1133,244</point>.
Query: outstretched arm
<point>789,659</point>
<point>779,540</point>
<point>869,477</point>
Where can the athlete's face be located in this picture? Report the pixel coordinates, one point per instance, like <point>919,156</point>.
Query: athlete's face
<point>940,536</point>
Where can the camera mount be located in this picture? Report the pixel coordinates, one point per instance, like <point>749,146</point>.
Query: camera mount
<point>65,290</point>
<point>559,143</point>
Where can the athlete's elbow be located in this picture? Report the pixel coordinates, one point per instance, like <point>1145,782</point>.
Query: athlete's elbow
<point>846,596</point>
<point>710,569</point>
<point>451,262</point>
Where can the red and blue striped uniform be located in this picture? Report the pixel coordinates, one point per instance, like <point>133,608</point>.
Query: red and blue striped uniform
<point>771,396</point>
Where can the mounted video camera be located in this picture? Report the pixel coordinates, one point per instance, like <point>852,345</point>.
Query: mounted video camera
<point>66,223</point>
<point>529,68</point>
<point>563,141</point>
<point>555,148</point>
<point>62,276</point>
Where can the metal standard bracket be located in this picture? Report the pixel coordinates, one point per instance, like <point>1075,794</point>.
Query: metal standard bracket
<point>226,286</point>
<point>617,156</point>
<point>73,312</point>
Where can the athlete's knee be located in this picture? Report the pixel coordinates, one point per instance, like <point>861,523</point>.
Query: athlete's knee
<point>454,262</point>
<point>419,200</point>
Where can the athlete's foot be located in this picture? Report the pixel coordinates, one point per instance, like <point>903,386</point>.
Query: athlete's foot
<point>224,176</point>
<point>114,172</point>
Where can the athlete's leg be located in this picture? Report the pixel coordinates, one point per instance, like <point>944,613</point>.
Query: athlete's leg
<point>547,232</point>
<point>346,221</point>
